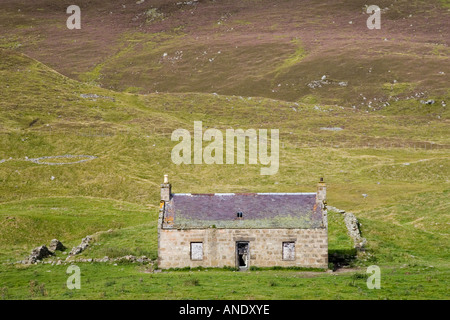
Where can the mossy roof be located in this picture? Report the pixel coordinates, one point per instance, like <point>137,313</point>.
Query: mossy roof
<point>259,210</point>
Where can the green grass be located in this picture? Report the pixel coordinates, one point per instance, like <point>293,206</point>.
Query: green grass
<point>293,59</point>
<point>140,240</point>
<point>100,281</point>
<point>33,222</point>
<point>445,3</point>
<point>338,239</point>
<point>397,156</point>
<point>413,230</point>
<point>395,89</point>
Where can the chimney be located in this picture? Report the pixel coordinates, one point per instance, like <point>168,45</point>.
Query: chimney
<point>321,191</point>
<point>166,189</point>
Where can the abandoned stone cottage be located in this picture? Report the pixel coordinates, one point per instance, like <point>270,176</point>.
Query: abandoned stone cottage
<point>242,229</point>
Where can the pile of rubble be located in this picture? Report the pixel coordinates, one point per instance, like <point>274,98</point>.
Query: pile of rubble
<point>325,81</point>
<point>83,246</point>
<point>128,258</point>
<point>353,227</point>
<point>42,252</point>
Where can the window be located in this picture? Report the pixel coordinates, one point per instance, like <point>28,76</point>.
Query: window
<point>289,250</point>
<point>196,250</point>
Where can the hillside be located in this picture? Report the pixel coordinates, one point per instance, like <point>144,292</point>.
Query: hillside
<point>248,48</point>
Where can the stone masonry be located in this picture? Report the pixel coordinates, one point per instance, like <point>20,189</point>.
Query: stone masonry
<point>265,246</point>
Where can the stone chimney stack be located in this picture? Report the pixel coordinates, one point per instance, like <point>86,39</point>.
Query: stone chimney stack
<point>321,200</point>
<point>321,191</point>
<point>166,189</point>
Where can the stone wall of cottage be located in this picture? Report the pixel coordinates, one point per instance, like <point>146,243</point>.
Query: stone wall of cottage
<point>265,246</point>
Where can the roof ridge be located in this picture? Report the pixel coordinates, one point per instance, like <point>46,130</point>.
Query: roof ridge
<point>244,193</point>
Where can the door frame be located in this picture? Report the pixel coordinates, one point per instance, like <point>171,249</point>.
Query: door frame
<point>238,267</point>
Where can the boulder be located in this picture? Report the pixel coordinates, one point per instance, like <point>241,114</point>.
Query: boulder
<point>39,253</point>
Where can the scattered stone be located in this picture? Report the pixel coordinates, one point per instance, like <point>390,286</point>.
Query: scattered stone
<point>104,259</point>
<point>331,128</point>
<point>315,84</point>
<point>39,160</point>
<point>324,81</point>
<point>56,245</point>
<point>4,160</point>
<point>427,102</point>
<point>94,97</point>
<point>128,258</point>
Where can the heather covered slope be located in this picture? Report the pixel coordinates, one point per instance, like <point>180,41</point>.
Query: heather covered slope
<point>251,48</point>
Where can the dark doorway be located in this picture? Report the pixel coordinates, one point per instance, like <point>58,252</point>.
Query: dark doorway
<point>242,255</point>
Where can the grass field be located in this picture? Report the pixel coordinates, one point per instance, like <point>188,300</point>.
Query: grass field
<point>131,282</point>
<point>117,99</point>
